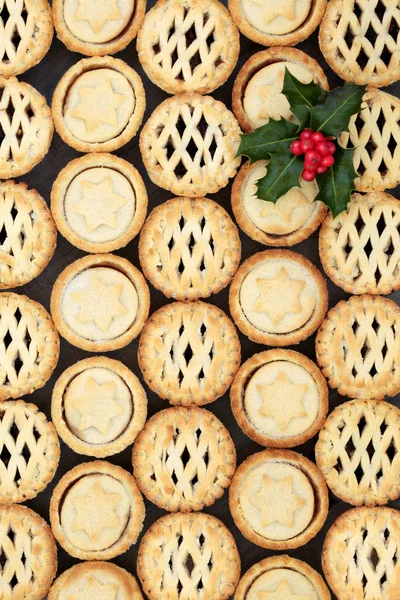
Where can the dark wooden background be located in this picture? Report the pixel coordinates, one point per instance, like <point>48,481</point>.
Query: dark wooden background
<point>45,77</point>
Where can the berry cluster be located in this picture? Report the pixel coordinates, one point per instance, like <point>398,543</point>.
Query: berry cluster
<point>318,153</point>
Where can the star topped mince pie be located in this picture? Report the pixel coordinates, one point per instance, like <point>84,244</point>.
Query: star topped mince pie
<point>96,511</point>
<point>100,302</point>
<point>98,104</point>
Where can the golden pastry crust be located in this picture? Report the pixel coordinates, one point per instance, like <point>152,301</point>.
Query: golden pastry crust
<point>191,165</point>
<point>199,52</point>
<point>29,129</point>
<point>189,248</point>
<point>291,38</point>
<point>189,353</point>
<point>30,234</point>
<point>261,417</point>
<point>100,135</point>
<point>358,348</point>
<point>107,336</point>
<point>98,236</point>
<point>31,346</point>
<point>360,41</point>
<point>292,219</point>
<point>163,555</point>
<point>360,552</point>
<point>96,511</point>
<point>183,459</point>
<point>259,61</point>
<point>357,452</point>
<point>300,485</point>
<point>30,551</point>
<point>286,563</point>
<point>97,411</point>
<point>93,44</point>
<point>291,308</point>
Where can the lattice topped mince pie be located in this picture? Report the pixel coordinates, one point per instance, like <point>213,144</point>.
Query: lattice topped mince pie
<point>189,145</point>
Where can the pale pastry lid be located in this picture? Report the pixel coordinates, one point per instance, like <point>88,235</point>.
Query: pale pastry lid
<point>97,22</point>
<point>282,584</point>
<point>276,17</point>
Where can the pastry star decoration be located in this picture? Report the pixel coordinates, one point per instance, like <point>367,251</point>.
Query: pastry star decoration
<point>279,296</point>
<point>97,13</point>
<point>277,501</point>
<point>282,592</point>
<point>95,511</point>
<point>99,204</point>
<point>93,589</point>
<point>269,94</point>
<point>282,400</point>
<point>98,105</point>
<point>283,208</point>
<point>96,406</point>
<point>99,304</point>
<point>278,8</point>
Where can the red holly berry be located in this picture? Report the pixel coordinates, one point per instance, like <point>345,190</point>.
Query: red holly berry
<point>327,161</point>
<point>306,135</point>
<point>308,175</point>
<point>312,157</point>
<point>331,147</point>
<point>320,170</point>
<point>323,148</point>
<point>318,137</point>
<point>296,147</point>
<point>309,166</point>
<point>306,145</point>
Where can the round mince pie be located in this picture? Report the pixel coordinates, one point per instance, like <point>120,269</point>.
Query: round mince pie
<point>188,45</point>
<point>96,511</point>
<point>281,578</point>
<point>278,298</point>
<point>28,236</point>
<point>375,135</point>
<point>277,22</point>
<point>189,248</point>
<point>360,249</point>
<point>189,145</point>
<point>26,126</point>
<point>358,347</point>
<point>98,406</point>
<point>98,105</point>
<point>99,202</point>
<point>189,353</point>
<point>360,40</point>
<point>257,92</point>
<point>358,452</point>
<point>360,555</point>
<point>278,499</point>
<point>290,220</point>
<point>95,580</point>
<point>100,302</point>
<point>97,28</point>
<point>30,346</point>
<point>183,459</point>
<point>279,398</point>
<point>188,556</point>
<point>27,32</point>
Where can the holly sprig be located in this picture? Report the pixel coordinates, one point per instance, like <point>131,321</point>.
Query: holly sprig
<point>315,109</point>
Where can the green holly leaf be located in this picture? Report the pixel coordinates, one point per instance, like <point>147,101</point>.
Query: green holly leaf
<point>337,184</point>
<point>283,172</point>
<point>333,115</point>
<point>302,97</point>
<point>274,136</point>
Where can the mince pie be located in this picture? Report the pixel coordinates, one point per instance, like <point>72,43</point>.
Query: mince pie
<point>358,452</point>
<point>183,459</point>
<point>257,92</point>
<point>99,202</point>
<point>189,248</point>
<point>96,511</point>
<point>189,353</point>
<point>188,45</point>
<point>278,298</point>
<point>290,220</point>
<point>26,127</point>
<point>100,302</point>
<point>278,499</point>
<point>30,346</point>
<point>360,40</point>
<point>97,28</point>
<point>361,554</point>
<point>28,236</point>
<point>98,406</point>
<point>188,556</point>
<point>189,145</point>
<point>279,398</point>
<point>358,347</point>
<point>98,104</point>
